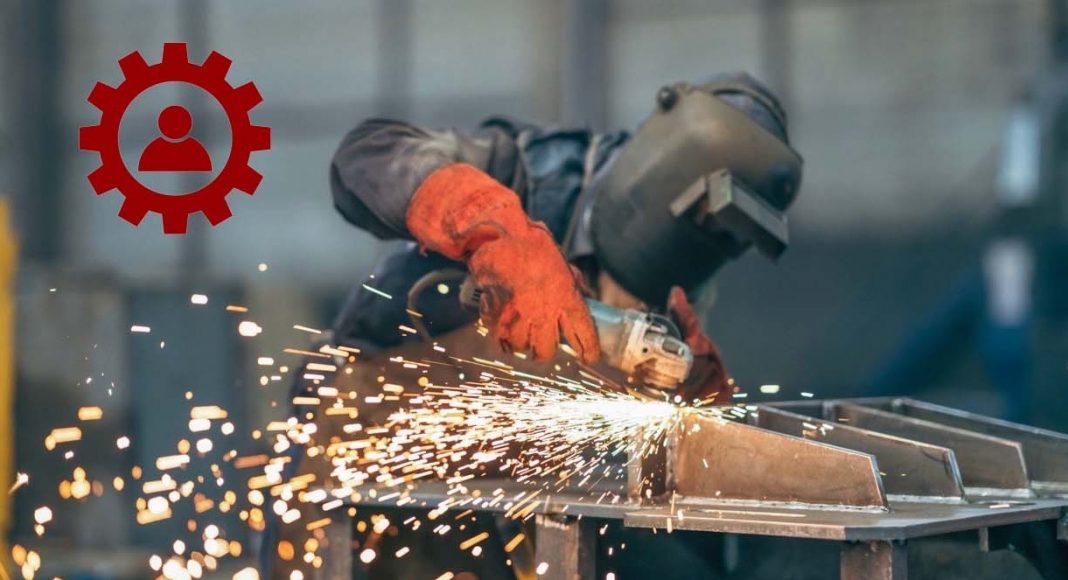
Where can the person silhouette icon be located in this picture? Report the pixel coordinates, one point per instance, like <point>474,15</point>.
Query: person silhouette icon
<point>175,150</point>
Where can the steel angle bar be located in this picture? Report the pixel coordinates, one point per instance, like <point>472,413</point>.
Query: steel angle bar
<point>908,468</point>
<point>988,465</point>
<point>1046,452</point>
<point>726,460</point>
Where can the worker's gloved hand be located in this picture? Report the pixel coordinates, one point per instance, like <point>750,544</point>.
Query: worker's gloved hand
<point>709,377</point>
<point>529,293</point>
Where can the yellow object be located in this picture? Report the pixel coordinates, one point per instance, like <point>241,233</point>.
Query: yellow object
<point>8,259</point>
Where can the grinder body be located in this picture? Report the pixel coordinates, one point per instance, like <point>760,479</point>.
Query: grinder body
<point>643,345</point>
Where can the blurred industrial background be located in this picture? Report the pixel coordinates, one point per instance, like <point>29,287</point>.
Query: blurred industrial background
<point>928,251</point>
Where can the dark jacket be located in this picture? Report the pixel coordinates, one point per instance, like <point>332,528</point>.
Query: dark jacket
<point>380,164</point>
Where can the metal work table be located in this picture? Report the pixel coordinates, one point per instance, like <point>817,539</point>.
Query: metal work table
<point>904,520</point>
<point>873,542</point>
<point>811,469</point>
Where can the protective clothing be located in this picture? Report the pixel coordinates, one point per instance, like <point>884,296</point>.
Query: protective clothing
<point>380,164</point>
<point>709,377</point>
<point>529,292</point>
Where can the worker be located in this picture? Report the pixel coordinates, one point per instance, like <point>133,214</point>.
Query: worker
<point>541,216</point>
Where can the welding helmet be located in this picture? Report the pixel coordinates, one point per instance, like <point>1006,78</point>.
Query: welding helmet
<point>709,174</point>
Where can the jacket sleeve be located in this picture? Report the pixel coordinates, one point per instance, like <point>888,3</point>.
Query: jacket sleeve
<point>381,163</point>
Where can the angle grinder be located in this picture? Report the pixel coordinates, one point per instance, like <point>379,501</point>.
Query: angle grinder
<point>645,346</point>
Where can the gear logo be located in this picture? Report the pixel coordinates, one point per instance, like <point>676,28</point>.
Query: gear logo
<point>210,199</point>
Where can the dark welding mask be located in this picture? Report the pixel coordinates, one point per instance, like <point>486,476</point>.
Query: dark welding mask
<point>709,174</point>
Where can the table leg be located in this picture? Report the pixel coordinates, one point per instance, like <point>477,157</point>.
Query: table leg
<point>567,545</point>
<point>884,560</point>
<point>337,555</point>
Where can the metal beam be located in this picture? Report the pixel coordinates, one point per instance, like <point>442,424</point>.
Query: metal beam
<point>36,42</point>
<point>776,48</point>
<point>1046,451</point>
<point>988,465</point>
<point>584,101</point>
<point>395,61</point>
<point>723,460</point>
<point>194,256</point>
<point>909,468</point>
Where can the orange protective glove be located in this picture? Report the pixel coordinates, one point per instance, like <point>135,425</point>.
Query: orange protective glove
<point>529,293</point>
<point>709,377</point>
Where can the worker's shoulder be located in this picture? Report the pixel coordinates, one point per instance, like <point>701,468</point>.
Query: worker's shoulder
<point>378,125</point>
<point>530,132</point>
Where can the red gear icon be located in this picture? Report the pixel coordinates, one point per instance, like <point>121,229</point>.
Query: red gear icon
<point>104,138</point>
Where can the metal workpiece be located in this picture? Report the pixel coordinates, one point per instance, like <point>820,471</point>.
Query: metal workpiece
<point>908,468</point>
<point>816,470</point>
<point>988,465</point>
<point>873,474</point>
<point>991,453</point>
<point>790,460</point>
<point>727,460</point>
<point>1046,452</point>
<point>650,474</point>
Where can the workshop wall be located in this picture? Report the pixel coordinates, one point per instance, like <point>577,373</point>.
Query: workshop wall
<point>898,107</point>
